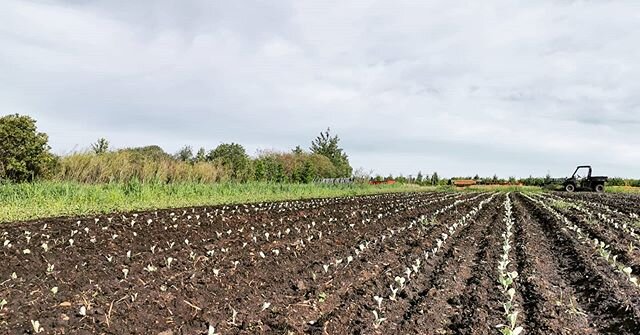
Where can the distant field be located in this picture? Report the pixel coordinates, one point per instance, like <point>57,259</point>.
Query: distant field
<point>49,199</point>
<point>501,188</point>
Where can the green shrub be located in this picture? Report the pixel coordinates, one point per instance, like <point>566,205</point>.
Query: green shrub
<point>327,145</point>
<point>293,167</point>
<point>615,181</point>
<point>24,152</point>
<point>234,158</point>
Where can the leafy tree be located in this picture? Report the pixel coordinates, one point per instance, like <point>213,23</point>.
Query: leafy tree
<point>152,152</point>
<point>435,179</point>
<point>24,152</point>
<point>185,154</point>
<point>419,177</point>
<point>298,150</point>
<point>269,168</point>
<point>327,145</point>
<point>233,157</point>
<point>101,146</point>
<point>201,156</point>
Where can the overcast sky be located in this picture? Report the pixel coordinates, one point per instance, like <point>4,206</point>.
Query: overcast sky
<point>459,87</point>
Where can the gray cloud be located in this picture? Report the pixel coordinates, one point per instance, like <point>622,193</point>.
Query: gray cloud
<point>485,87</point>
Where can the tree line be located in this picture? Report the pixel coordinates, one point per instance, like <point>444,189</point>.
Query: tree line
<point>25,156</point>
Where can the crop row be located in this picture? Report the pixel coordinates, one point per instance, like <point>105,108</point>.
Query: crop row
<point>600,247</point>
<point>604,214</point>
<point>194,244</point>
<point>401,280</point>
<point>505,277</point>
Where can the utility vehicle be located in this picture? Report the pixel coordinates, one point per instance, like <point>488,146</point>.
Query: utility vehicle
<point>583,180</point>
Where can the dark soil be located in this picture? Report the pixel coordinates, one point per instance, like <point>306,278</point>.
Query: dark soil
<point>601,295</point>
<point>314,267</point>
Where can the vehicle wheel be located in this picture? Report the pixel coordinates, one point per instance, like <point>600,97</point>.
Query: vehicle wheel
<point>570,188</point>
<point>599,188</point>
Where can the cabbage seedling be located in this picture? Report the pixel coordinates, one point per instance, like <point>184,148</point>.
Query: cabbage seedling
<point>234,313</point>
<point>511,292</point>
<point>378,300</point>
<point>400,281</point>
<point>212,331</point>
<point>378,320</point>
<point>36,326</point>
<point>393,293</point>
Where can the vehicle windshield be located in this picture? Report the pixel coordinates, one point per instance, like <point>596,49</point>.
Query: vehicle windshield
<point>582,173</point>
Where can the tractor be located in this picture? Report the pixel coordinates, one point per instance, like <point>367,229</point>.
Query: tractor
<point>583,180</point>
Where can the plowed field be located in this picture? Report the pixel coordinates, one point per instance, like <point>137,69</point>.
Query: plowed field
<point>425,263</point>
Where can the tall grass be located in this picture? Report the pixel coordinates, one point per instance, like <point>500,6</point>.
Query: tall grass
<point>50,198</point>
<point>125,166</point>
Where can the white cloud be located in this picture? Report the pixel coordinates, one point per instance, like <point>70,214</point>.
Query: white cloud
<point>485,87</point>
